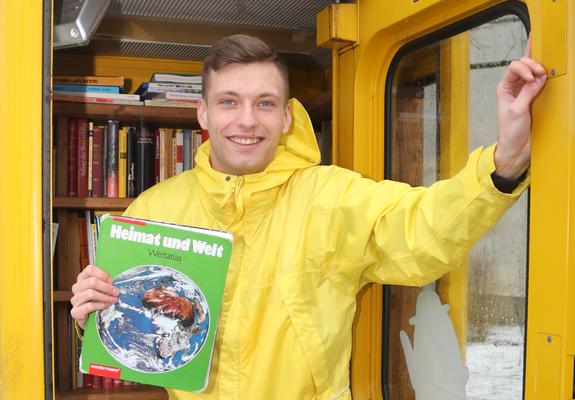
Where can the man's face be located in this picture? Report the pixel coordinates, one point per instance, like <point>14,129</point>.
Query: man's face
<point>245,111</point>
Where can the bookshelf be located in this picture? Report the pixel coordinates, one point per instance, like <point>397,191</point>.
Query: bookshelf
<point>66,262</point>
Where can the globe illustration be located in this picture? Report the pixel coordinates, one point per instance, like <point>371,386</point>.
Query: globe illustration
<point>160,321</point>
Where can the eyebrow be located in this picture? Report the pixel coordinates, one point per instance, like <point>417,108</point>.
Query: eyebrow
<point>232,93</point>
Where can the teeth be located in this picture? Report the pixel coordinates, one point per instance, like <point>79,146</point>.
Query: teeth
<point>245,140</point>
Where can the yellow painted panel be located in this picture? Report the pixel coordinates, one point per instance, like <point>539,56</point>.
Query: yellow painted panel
<point>550,39</point>
<point>343,135</point>
<point>547,381</point>
<point>454,117</point>
<point>337,25</point>
<point>21,332</point>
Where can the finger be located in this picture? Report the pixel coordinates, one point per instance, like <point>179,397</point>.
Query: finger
<point>528,93</point>
<point>81,313</point>
<point>93,271</point>
<point>536,68</point>
<point>528,47</point>
<point>94,283</point>
<point>517,71</point>
<point>89,295</point>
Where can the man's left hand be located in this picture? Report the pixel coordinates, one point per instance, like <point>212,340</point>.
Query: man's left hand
<point>523,81</point>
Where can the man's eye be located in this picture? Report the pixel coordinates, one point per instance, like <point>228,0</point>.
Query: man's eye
<point>266,103</point>
<point>228,102</point>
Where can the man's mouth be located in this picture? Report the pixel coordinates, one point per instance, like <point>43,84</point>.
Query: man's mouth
<point>245,140</point>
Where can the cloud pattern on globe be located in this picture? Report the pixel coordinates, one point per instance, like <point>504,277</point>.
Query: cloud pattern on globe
<point>159,323</point>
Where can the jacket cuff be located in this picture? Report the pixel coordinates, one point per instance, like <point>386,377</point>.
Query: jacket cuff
<point>486,169</point>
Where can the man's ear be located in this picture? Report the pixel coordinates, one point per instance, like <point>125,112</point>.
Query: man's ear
<point>287,119</point>
<point>203,114</point>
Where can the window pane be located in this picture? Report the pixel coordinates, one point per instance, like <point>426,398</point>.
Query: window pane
<point>432,88</point>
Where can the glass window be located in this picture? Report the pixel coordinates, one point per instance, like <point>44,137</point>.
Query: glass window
<point>441,106</point>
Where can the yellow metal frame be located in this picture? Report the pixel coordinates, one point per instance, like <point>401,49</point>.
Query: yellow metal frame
<point>383,27</point>
<point>21,314</point>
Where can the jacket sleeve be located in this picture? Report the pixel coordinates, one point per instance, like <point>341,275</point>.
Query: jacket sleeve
<point>391,233</point>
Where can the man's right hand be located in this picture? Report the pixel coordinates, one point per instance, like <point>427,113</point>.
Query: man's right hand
<point>92,291</point>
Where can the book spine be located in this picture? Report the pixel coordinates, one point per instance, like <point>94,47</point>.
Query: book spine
<point>72,161</point>
<point>82,99</point>
<point>156,155</point>
<point>131,163</point>
<point>169,164</point>
<point>113,96</point>
<point>162,154</point>
<point>179,151</point>
<point>105,162</point>
<point>62,87</point>
<point>144,158</point>
<point>90,80</point>
<point>187,149</point>
<point>90,155</point>
<point>97,162</point>
<point>197,144</point>
<point>112,170</point>
<point>122,161</point>
<point>82,157</point>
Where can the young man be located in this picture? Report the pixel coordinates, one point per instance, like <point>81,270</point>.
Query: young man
<point>308,238</point>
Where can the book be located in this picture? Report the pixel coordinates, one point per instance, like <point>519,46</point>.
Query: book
<point>82,169</point>
<point>81,99</point>
<point>122,161</point>
<point>72,161</point>
<point>150,89</point>
<point>64,87</point>
<point>175,78</point>
<point>171,279</point>
<point>180,97</point>
<point>119,96</point>
<point>144,158</point>
<point>179,151</point>
<point>131,162</point>
<point>90,155</point>
<point>98,162</point>
<point>170,103</point>
<point>187,149</point>
<point>90,80</point>
<point>112,165</point>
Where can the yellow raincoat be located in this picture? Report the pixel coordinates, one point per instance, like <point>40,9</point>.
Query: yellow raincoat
<point>306,239</point>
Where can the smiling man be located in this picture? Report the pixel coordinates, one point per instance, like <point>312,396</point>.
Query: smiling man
<point>307,238</point>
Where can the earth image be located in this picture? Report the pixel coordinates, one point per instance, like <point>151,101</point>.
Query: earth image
<point>160,321</point>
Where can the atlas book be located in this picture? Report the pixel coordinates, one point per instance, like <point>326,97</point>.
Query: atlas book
<point>162,329</point>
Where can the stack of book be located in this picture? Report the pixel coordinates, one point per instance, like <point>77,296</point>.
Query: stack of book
<point>171,90</point>
<point>93,89</point>
<point>117,160</point>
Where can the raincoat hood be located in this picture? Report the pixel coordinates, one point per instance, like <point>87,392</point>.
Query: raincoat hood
<point>297,149</point>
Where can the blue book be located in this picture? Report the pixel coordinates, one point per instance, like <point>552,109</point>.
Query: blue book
<point>187,149</point>
<point>61,87</point>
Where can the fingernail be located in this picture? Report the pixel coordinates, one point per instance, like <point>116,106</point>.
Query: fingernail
<point>116,291</point>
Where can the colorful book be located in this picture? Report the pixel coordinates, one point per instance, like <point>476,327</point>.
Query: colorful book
<point>72,161</point>
<point>179,152</point>
<point>64,87</point>
<point>90,80</point>
<point>96,99</point>
<point>187,149</point>
<point>171,279</point>
<point>122,161</point>
<point>171,103</point>
<point>83,139</point>
<point>175,78</point>
<point>150,89</point>
<point>131,162</point>
<point>90,155</point>
<point>98,162</point>
<point>112,169</point>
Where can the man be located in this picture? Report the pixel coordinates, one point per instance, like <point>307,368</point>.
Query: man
<point>308,238</point>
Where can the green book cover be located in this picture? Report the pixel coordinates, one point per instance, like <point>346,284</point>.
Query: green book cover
<point>163,328</point>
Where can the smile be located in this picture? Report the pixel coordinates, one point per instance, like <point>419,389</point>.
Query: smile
<point>245,140</point>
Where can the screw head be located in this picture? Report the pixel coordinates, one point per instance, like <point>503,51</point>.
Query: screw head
<point>74,33</point>
<point>553,72</point>
<point>549,339</point>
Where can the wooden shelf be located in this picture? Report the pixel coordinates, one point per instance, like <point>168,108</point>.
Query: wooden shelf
<point>99,203</point>
<point>169,115</point>
<point>137,392</point>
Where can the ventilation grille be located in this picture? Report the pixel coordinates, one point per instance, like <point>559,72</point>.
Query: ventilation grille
<point>275,14</point>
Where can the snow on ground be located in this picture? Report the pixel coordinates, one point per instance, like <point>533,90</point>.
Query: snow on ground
<point>496,365</point>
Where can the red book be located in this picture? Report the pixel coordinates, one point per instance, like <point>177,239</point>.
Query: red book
<point>156,155</point>
<point>82,157</point>
<point>98,162</point>
<point>88,381</point>
<point>113,156</point>
<point>72,181</point>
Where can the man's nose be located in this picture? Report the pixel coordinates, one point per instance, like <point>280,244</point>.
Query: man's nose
<point>247,117</point>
